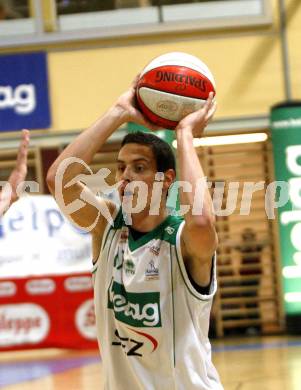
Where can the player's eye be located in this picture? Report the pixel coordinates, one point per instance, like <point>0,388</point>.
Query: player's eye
<point>120,168</point>
<point>139,168</point>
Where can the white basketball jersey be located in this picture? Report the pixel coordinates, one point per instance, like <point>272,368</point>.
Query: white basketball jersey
<point>152,325</point>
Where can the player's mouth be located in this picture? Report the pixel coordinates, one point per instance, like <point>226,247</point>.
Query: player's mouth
<point>124,191</point>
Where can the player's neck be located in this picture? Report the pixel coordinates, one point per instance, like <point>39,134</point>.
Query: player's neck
<point>143,222</point>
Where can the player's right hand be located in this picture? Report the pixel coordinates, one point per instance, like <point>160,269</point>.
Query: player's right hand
<point>127,108</point>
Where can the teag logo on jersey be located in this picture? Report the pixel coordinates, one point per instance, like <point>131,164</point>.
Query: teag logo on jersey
<point>138,309</point>
<point>22,98</point>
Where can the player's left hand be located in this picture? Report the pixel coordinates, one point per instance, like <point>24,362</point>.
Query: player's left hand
<point>197,121</point>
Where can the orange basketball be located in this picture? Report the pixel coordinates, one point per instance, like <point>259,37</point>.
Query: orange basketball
<point>172,86</point>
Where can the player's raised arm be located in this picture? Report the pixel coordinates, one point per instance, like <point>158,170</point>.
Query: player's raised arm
<point>199,237</point>
<point>68,175</point>
<point>9,194</point>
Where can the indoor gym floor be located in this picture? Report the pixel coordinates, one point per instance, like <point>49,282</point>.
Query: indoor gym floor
<point>265,363</point>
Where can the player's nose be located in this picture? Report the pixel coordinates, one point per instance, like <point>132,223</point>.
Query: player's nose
<point>127,175</point>
<point>123,185</point>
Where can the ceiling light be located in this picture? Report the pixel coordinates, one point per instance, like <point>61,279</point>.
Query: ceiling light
<point>227,139</point>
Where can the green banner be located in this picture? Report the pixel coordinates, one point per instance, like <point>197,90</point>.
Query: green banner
<point>286,138</point>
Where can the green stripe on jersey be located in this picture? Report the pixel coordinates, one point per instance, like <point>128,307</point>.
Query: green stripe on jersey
<point>166,231</point>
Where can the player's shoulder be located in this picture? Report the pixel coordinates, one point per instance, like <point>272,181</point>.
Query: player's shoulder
<point>171,227</point>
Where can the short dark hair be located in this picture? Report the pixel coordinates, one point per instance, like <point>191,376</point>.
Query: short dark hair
<point>163,153</point>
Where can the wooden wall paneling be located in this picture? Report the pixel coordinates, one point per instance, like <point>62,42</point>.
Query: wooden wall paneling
<point>248,296</point>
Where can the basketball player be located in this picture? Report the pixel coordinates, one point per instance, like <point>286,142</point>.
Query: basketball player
<point>9,194</point>
<point>154,279</point>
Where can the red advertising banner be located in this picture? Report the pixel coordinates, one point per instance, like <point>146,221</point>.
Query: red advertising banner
<point>46,293</point>
<point>47,311</point>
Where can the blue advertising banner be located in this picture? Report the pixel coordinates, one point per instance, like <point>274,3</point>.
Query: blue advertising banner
<point>24,99</point>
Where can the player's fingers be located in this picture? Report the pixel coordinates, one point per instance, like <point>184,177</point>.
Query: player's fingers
<point>207,111</point>
<point>210,114</point>
<point>141,120</point>
<point>211,111</point>
<point>25,138</point>
<point>23,149</point>
<point>135,81</point>
<point>202,113</point>
<point>209,102</point>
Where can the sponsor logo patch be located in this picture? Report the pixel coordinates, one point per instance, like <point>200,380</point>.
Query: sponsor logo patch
<point>170,230</point>
<point>136,309</point>
<point>135,343</point>
<point>151,272</point>
<point>155,250</point>
<point>129,266</point>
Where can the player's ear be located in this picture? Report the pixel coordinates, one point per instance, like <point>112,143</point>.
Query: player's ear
<point>169,178</point>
